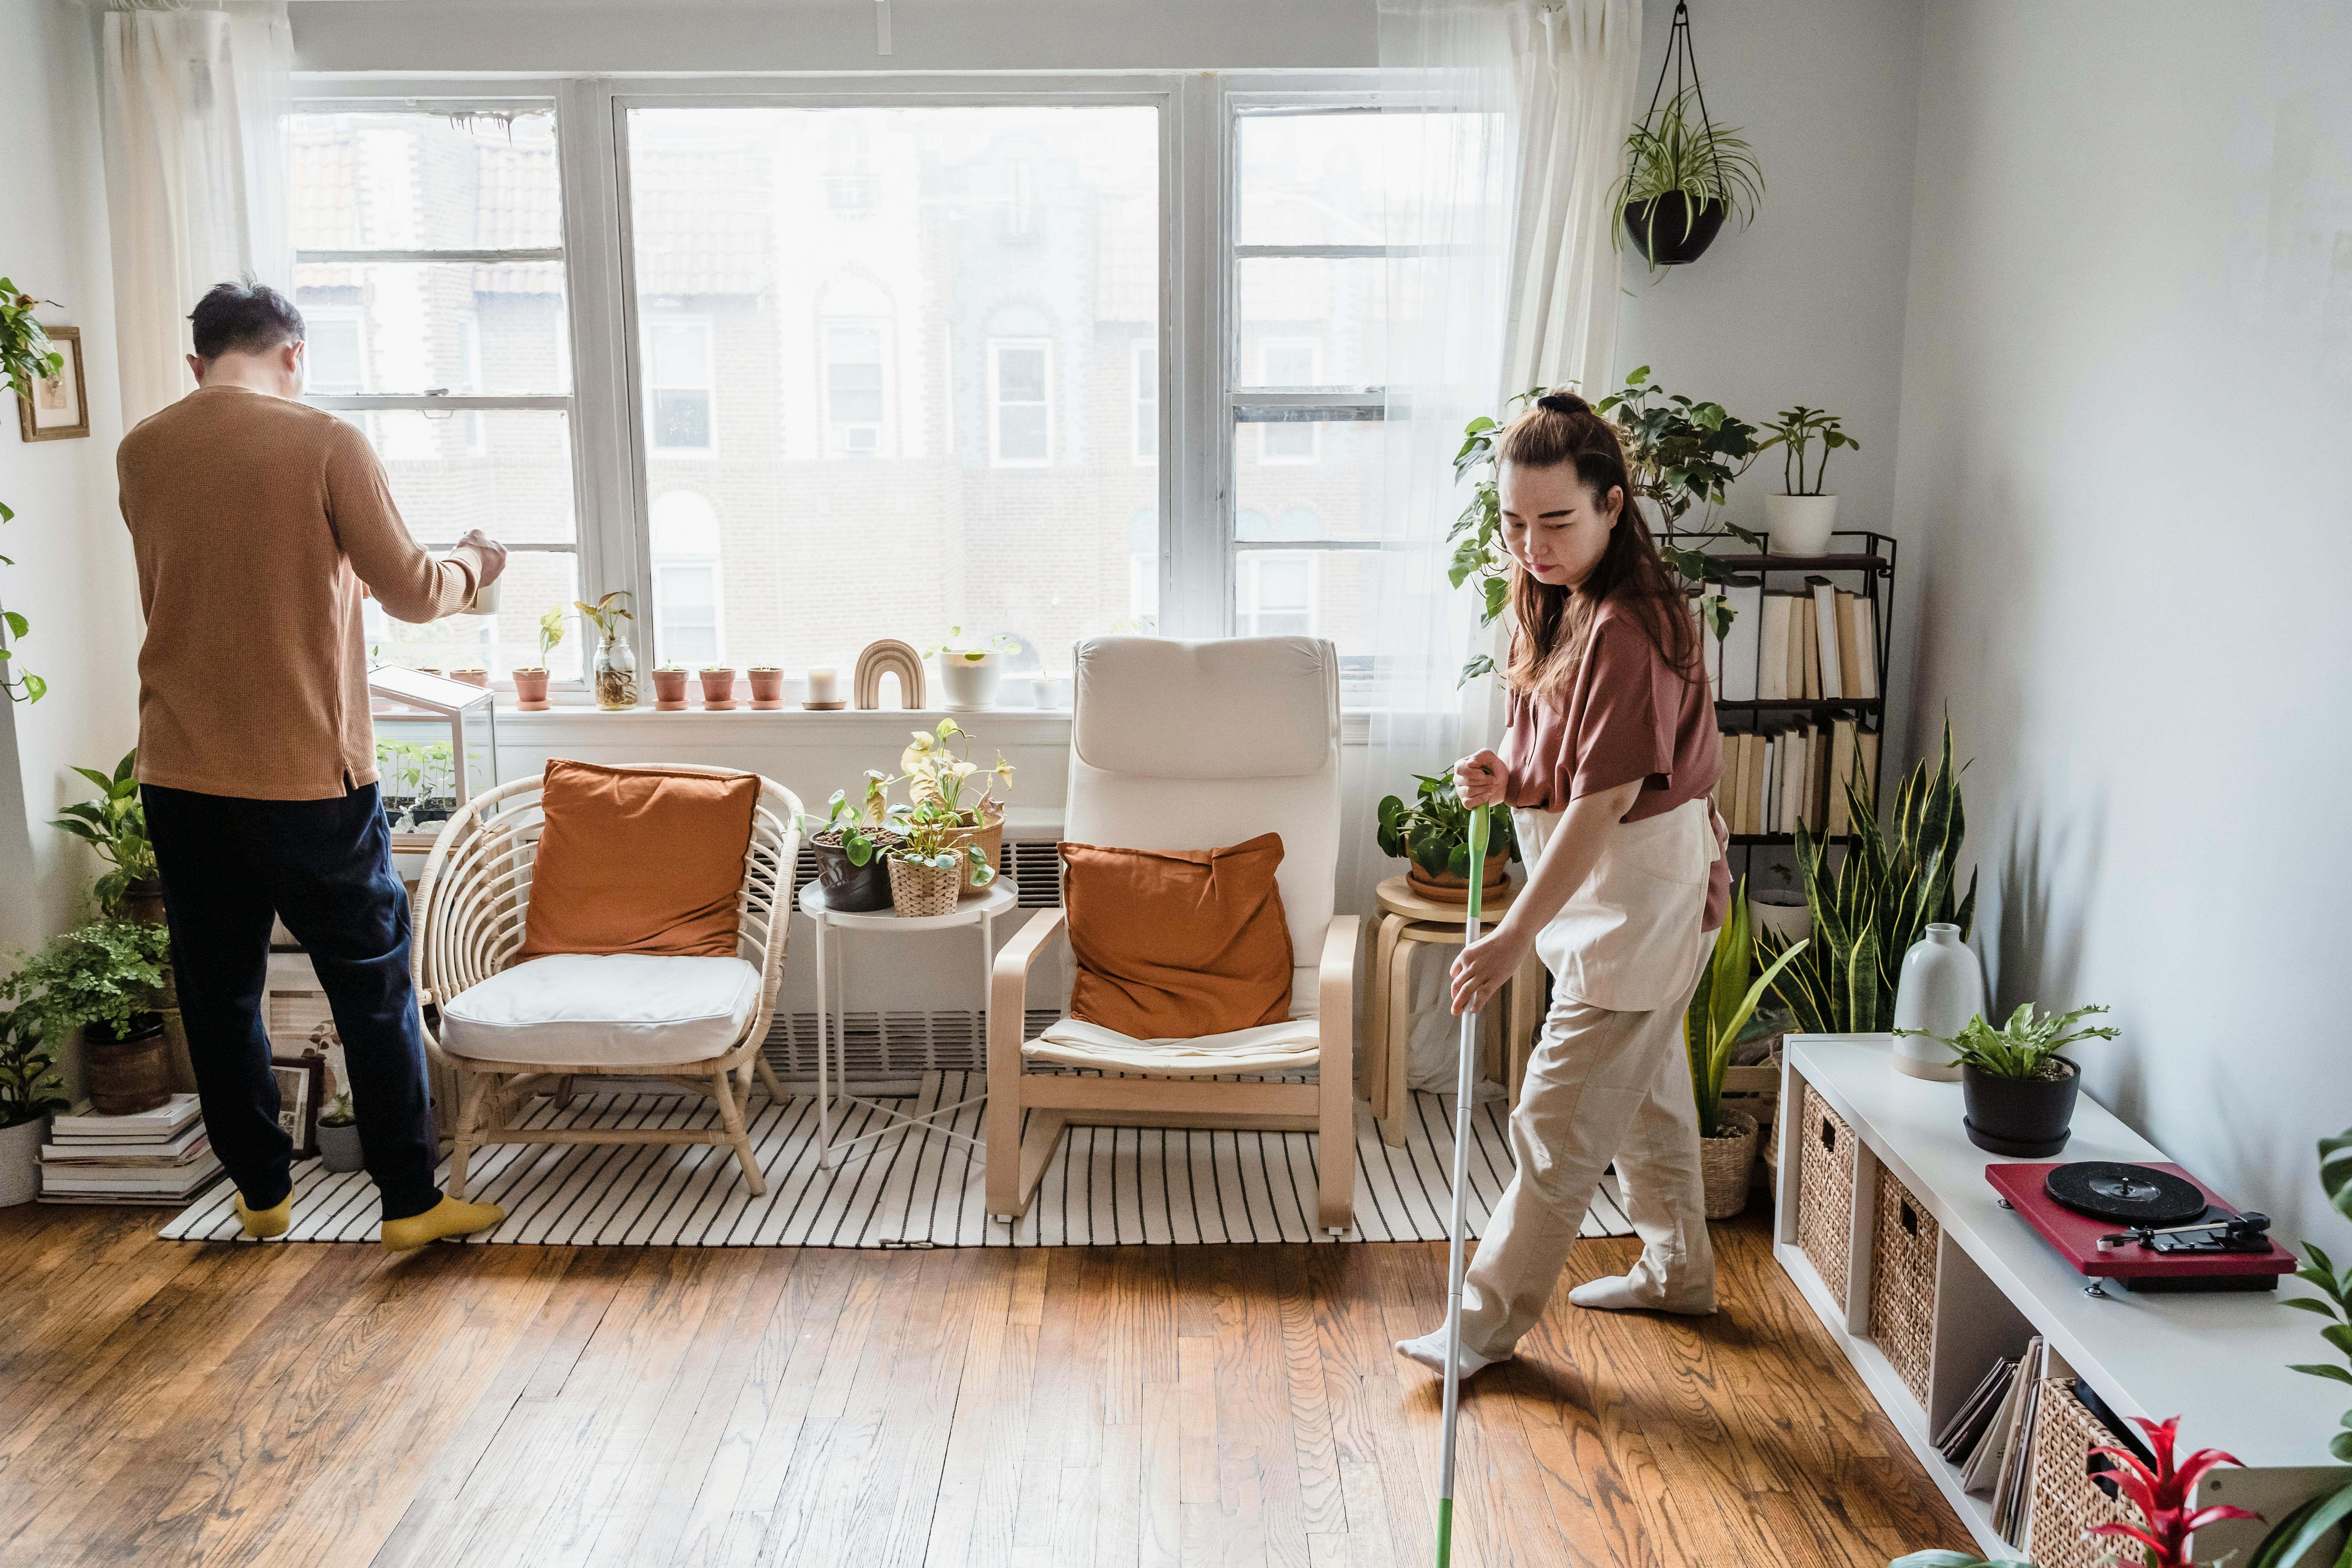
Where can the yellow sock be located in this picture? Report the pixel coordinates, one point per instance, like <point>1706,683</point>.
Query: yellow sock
<point>263,1224</point>
<point>450,1217</point>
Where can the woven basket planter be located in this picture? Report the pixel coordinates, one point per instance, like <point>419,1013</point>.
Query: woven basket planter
<point>990,836</point>
<point>1903,1283</point>
<point>2066,1503</point>
<point>920,891</point>
<point>1726,1163</point>
<point>1825,1193</point>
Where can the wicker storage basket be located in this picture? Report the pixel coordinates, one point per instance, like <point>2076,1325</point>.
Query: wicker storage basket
<point>990,836</point>
<point>2066,1503</point>
<point>1825,1193</point>
<point>1725,1164</point>
<point>1903,1283</point>
<point>920,891</point>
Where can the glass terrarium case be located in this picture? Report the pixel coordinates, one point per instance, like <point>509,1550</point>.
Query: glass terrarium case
<point>436,747</point>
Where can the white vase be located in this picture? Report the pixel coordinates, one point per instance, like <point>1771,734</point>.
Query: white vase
<point>1942,986</point>
<point>1790,922</point>
<point>1799,525</point>
<point>20,1162</point>
<point>968,685</point>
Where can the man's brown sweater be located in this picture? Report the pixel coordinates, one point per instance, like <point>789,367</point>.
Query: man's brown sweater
<point>254,521</point>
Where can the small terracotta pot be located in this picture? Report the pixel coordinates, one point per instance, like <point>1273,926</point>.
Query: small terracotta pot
<point>718,689</point>
<point>480,677</point>
<point>530,690</point>
<point>767,689</point>
<point>1445,888</point>
<point>129,1075</point>
<point>669,691</point>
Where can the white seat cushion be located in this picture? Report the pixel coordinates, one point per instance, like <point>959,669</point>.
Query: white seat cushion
<point>1269,1048</point>
<point>623,1008</point>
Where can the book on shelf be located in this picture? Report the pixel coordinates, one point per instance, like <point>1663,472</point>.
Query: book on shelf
<point>1825,637</point>
<point>1849,661</point>
<point>1772,633</point>
<point>1866,650</point>
<point>164,1122</point>
<point>2012,1494</point>
<point>1819,646</point>
<point>179,1151</point>
<point>1958,1439</point>
<point>1987,1467</point>
<point>174,1185</point>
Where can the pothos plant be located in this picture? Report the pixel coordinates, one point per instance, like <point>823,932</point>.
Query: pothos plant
<point>929,834</point>
<point>115,824</point>
<point>1679,453</point>
<point>25,358</point>
<point>1433,832</point>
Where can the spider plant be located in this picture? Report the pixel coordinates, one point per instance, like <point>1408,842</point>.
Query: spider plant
<point>1680,153</point>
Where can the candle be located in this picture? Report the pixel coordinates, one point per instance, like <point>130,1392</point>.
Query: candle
<point>824,686</point>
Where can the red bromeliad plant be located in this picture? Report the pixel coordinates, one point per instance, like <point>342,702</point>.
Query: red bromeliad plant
<point>2162,1495</point>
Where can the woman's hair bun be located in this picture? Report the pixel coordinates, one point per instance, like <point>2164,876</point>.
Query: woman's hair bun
<point>1563,403</point>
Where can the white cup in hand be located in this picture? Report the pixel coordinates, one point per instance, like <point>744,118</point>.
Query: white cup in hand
<point>485,601</point>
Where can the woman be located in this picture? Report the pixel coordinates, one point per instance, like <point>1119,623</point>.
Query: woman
<point>1609,758</point>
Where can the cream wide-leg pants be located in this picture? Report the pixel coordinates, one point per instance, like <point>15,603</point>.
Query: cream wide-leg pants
<point>1601,1086</point>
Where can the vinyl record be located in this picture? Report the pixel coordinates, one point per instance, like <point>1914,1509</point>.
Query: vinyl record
<point>2131,1193</point>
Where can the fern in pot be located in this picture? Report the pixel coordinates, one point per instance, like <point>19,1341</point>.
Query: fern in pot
<point>2018,1090</point>
<point>104,978</point>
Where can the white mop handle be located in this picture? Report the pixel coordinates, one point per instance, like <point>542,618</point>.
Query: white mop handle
<point>1465,1087</point>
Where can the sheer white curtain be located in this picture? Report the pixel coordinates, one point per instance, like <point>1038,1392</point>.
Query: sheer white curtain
<point>1511,115</point>
<point>191,102</point>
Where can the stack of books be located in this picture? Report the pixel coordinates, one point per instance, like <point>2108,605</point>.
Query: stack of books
<point>1819,646</point>
<point>1774,781</point>
<point>159,1156</point>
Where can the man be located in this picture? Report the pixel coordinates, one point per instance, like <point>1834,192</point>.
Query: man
<point>255,519</point>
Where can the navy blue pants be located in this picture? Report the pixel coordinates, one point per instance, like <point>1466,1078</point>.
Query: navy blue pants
<point>325,866</point>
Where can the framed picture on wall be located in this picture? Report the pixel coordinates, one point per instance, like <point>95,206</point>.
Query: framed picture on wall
<point>301,1082</point>
<point>59,406</point>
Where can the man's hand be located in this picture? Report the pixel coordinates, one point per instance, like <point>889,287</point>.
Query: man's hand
<point>493,554</point>
<point>1479,780</point>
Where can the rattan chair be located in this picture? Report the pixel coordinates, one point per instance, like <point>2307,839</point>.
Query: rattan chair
<point>468,923</point>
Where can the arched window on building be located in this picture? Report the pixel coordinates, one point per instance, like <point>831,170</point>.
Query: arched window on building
<point>687,626</point>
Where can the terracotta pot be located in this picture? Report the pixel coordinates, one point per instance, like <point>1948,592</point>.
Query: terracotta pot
<point>669,691</point>
<point>920,891</point>
<point>129,1075</point>
<point>767,689</point>
<point>718,689</point>
<point>530,690</point>
<point>1445,888</point>
<point>480,677</point>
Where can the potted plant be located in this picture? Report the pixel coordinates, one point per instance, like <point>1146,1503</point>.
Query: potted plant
<point>1781,908</point>
<point>115,824</point>
<point>530,682</point>
<point>30,1088</point>
<point>718,687</point>
<point>338,1135</point>
<point>473,673</point>
<point>2315,1518</point>
<point>767,686</point>
<point>1719,1012</point>
<point>103,978</point>
<point>932,861</point>
<point>26,359</point>
<point>1799,521</point>
<point>937,773</point>
<point>1684,177</point>
<point>2019,1091</point>
<point>1433,834</point>
<point>436,783</point>
<point>970,669</point>
<point>850,849</point>
<point>613,676</point>
<point>669,688</point>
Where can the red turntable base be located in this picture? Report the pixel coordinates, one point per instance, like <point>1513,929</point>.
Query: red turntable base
<point>2076,1237</point>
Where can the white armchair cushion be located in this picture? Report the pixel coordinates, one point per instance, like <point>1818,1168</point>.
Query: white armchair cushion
<point>1269,1048</point>
<point>622,1008</point>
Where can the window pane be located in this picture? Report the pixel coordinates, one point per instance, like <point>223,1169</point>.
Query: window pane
<point>423,182</point>
<point>1353,178</point>
<point>681,420</point>
<point>534,582</point>
<point>1325,320</point>
<point>1331,594</point>
<point>1311,479</point>
<point>507,472</point>
<point>953,295</point>
<point>416,326</point>
<point>681,355</point>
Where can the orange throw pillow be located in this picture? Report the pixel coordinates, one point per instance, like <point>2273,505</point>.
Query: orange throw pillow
<point>638,860</point>
<point>1175,944</point>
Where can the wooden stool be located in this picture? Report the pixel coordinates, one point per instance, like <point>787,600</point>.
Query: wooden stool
<point>1406,918</point>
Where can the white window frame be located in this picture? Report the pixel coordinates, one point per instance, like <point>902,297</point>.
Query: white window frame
<point>996,351</point>
<point>835,430</point>
<point>1197,333</point>
<point>1143,407</point>
<point>1252,570</point>
<point>654,323</point>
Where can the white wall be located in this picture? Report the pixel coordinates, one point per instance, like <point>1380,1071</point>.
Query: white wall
<point>73,574</point>
<point>2126,388</point>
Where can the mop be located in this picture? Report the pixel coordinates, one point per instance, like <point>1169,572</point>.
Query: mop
<point>1466,1089</point>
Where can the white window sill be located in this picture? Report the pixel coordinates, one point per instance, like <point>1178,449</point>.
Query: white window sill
<point>1049,726</point>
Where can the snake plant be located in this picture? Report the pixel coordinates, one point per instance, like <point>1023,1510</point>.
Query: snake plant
<point>1722,1006</point>
<point>1878,901</point>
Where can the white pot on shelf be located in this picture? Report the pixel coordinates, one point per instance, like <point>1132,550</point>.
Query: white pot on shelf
<point>968,683</point>
<point>1942,986</point>
<point>1799,525</point>
<point>1790,922</point>
<point>20,1162</point>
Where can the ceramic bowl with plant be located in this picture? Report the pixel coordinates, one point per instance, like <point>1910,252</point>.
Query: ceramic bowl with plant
<point>2018,1090</point>
<point>105,979</point>
<point>1432,835</point>
<point>531,679</point>
<point>970,669</point>
<point>31,1090</point>
<point>767,686</point>
<point>669,688</point>
<point>717,686</point>
<point>932,861</point>
<point>338,1135</point>
<point>849,847</point>
<point>1801,520</point>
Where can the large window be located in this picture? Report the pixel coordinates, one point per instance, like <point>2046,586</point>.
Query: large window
<point>429,268</point>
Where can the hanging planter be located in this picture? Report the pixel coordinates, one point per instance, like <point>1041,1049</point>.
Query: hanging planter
<point>1685,175</point>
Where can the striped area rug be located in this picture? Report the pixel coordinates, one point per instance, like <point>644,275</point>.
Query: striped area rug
<point>1108,1186</point>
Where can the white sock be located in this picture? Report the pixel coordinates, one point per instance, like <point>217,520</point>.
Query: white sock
<point>1429,1351</point>
<point>1614,1293</point>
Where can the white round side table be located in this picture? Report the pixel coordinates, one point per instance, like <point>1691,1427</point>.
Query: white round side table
<point>979,909</point>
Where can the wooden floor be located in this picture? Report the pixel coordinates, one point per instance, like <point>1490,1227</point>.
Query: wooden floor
<point>165,1403</point>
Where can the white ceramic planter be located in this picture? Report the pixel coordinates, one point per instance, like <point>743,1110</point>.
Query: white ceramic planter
<point>968,685</point>
<point>20,1162</point>
<point>1941,987</point>
<point>1799,525</point>
<point>1041,691</point>
<point>1790,922</point>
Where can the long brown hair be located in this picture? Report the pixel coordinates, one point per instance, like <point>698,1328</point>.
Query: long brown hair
<point>1553,624</point>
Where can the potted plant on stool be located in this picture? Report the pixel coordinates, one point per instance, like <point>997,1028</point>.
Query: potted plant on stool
<point>1433,834</point>
<point>104,978</point>
<point>1718,1012</point>
<point>2019,1091</point>
<point>338,1135</point>
<point>30,1089</point>
<point>1800,521</point>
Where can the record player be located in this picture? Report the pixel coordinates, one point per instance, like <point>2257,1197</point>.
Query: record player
<point>2150,1228</point>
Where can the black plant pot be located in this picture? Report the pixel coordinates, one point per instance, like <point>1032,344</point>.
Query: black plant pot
<point>852,889</point>
<point>1668,233</point>
<point>2025,1117</point>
